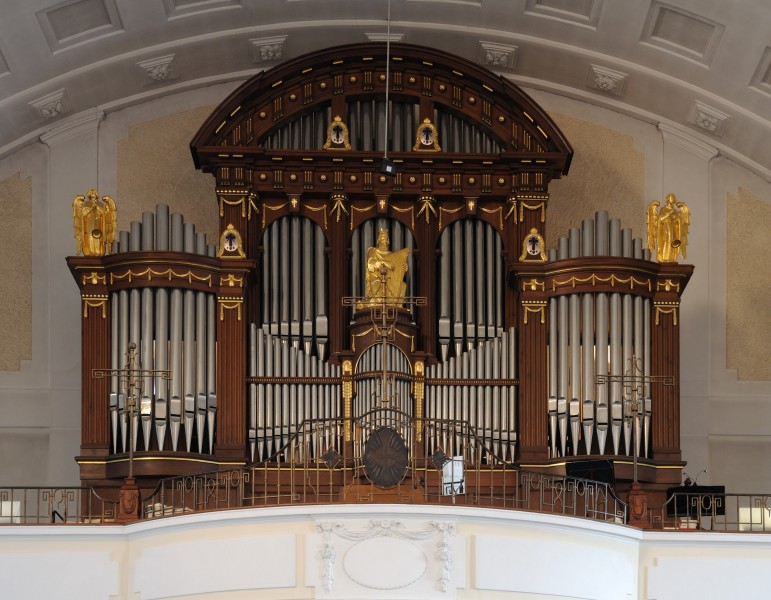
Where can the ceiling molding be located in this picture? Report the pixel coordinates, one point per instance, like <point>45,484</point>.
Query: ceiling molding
<point>75,22</point>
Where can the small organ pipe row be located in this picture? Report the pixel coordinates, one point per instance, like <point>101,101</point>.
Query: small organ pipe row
<point>294,290</point>
<point>488,405</point>
<point>288,386</point>
<point>174,330</point>
<point>369,393</point>
<point>470,286</point>
<point>597,334</point>
<point>365,119</point>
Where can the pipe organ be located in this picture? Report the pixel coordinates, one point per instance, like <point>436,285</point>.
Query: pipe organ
<point>174,329</point>
<point>478,338</point>
<point>594,334</point>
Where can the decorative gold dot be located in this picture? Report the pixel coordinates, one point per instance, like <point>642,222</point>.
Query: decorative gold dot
<point>323,178</point>
<point>412,180</point>
<point>263,177</point>
<point>293,97</point>
<point>501,119</point>
<point>382,179</point>
<point>472,100</point>
<point>501,181</point>
<point>412,80</point>
<point>471,180</point>
<point>323,85</point>
<point>293,177</point>
<point>442,180</point>
<point>263,114</point>
<point>354,79</point>
<point>442,87</point>
<point>354,179</point>
<point>382,77</point>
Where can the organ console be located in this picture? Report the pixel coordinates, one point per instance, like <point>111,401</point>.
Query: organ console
<point>503,353</point>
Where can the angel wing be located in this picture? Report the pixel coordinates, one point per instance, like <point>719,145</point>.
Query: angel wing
<point>77,221</point>
<point>685,221</point>
<point>110,220</point>
<point>652,219</point>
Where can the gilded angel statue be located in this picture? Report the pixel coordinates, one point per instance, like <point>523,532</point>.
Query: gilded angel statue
<point>94,222</point>
<point>668,229</point>
<point>384,278</point>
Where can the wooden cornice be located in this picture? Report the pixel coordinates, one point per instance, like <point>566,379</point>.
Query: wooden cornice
<point>601,274</point>
<point>131,270</point>
<point>431,77</point>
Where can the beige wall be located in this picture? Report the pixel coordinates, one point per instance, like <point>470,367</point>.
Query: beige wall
<point>15,271</point>
<point>155,167</point>
<point>748,285</point>
<point>607,173</point>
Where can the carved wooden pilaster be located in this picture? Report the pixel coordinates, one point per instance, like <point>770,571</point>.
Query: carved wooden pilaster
<point>665,360</point>
<point>533,377</point>
<point>232,337</point>
<point>91,279</point>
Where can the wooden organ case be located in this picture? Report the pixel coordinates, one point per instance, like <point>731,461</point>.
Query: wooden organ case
<point>264,330</point>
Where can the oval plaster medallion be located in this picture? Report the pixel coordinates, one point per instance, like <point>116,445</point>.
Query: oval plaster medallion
<point>364,563</point>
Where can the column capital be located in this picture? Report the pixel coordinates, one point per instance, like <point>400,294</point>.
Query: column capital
<point>85,122</point>
<point>682,138</point>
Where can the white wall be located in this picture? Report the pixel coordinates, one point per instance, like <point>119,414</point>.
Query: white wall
<point>378,551</point>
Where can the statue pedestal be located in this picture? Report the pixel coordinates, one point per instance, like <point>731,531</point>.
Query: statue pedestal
<point>367,326</point>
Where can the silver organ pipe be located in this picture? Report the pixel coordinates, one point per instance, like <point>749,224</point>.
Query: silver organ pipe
<point>294,294</point>
<point>562,350</point>
<point>174,330</point>
<point>587,344</point>
<point>188,346</point>
<point>553,364</point>
<point>627,303</point>
<point>601,248</point>
<point>287,387</point>
<point>135,319</point>
<point>146,348</point>
<point>574,341</point>
<point>616,366</point>
<point>597,334</point>
<point>484,396</point>
<point>201,407</point>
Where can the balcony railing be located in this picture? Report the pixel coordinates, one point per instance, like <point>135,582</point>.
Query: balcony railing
<point>54,506</point>
<point>444,463</point>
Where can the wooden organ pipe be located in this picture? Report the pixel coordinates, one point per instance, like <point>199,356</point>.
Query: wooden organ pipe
<point>597,334</point>
<point>174,330</point>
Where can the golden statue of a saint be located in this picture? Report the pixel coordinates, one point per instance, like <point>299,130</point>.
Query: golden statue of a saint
<point>668,229</point>
<point>385,273</point>
<point>94,222</point>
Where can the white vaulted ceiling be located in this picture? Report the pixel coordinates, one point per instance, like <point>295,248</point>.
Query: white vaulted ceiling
<point>702,65</point>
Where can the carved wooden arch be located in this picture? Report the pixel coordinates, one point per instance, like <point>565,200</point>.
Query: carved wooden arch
<point>525,131</point>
